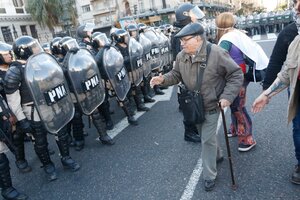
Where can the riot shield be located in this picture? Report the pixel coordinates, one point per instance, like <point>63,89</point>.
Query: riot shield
<point>155,54</point>
<point>50,92</point>
<point>136,61</point>
<point>146,44</point>
<point>113,64</point>
<point>85,79</point>
<point>165,51</point>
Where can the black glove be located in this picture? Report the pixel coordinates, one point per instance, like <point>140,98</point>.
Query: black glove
<point>74,50</point>
<point>107,46</point>
<point>25,126</point>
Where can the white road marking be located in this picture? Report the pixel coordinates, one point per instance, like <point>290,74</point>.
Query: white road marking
<point>271,36</point>
<point>119,127</point>
<point>256,37</point>
<point>194,179</point>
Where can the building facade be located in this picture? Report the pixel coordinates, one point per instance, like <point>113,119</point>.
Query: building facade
<point>15,21</point>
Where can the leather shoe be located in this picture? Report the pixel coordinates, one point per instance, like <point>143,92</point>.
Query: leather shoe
<point>107,140</point>
<point>132,121</point>
<point>209,185</point>
<point>51,172</point>
<point>192,137</point>
<point>148,99</point>
<point>296,175</point>
<point>12,193</point>
<point>23,166</point>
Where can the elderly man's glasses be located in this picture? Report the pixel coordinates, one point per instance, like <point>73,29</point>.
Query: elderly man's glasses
<point>184,40</point>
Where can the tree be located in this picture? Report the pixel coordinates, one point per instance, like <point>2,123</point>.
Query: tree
<point>45,12</point>
<point>51,12</point>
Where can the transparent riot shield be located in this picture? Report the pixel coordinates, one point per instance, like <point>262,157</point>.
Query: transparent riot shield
<point>155,49</point>
<point>50,92</point>
<point>136,61</point>
<point>116,72</point>
<point>85,78</point>
<point>146,44</point>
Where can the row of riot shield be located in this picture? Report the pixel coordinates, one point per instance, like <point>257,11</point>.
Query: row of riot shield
<point>265,22</point>
<point>159,44</point>
<point>50,88</point>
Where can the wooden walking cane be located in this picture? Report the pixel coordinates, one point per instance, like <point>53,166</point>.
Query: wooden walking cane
<point>234,186</point>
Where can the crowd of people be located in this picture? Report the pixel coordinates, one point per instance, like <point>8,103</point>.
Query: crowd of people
<point>81,76</point>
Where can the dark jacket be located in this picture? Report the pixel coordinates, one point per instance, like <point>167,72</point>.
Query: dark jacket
<point>278,56</point>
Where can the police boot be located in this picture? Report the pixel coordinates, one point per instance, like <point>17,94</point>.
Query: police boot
<point>8,191</point>
<point>191,133</point>
<point>63,146</point>
<point>104,110</point>
<point>21,162</point>
<point>147,98</point>
<point>130,118</point>
<point>157,90</point>
<point>77,124</point>
<point>103,137</point>
<point>139,103</point>
<point>41,150</point>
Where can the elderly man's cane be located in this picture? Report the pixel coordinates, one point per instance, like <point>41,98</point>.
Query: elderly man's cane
<point>234,186</point>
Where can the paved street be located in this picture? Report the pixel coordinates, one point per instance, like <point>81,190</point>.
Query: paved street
<point>151,161</point>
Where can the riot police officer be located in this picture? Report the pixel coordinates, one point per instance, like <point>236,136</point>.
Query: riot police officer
<point>84,34</point>
<point>185,14</point>
<point>145,85</point>
<point>122,40</point>
<point>28,120</point>
<point>99,40</point>
<point>6,123</point>
<point>69,46</point>
<point>18,137</point>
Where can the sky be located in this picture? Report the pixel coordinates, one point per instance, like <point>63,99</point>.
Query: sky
<point>270,4</point>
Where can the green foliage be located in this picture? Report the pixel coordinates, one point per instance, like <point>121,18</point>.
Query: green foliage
<point>45,12</point>
<point>283,6</point>
<point>259,10</point>
<point>51,12</point>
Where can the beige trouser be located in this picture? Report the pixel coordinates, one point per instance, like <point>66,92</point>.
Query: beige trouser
<point>209,144</point>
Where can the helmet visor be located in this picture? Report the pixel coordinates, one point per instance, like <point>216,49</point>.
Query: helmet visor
<point>89,27</point>
<point>196,13</point>
<point>102,39</point>
<point>71,44</point>
<point>35,47</point>
<point>5,48</point>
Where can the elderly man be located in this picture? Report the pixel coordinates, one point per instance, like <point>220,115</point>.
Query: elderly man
<point>222,79</point>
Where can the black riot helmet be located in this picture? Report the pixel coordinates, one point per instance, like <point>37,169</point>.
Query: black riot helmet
<point>99,40</point>
<point>121,36</point>
<point>132,29</point>
<point>54,47</point>
<point>67,43</point>
<point>187,13</point>
<point>84,31</point>
<point>141,27</point>
<point>25,46</point>
<point>168,28</point>
<point>4,49</point>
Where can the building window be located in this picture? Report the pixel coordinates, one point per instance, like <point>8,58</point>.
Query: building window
<point>19,10</point>
<point>33,31</point>
<point>86,8</point>
<point>7,34</point>
<point>23,30</point>
<point>18,3</point>
<point>2,10</point>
